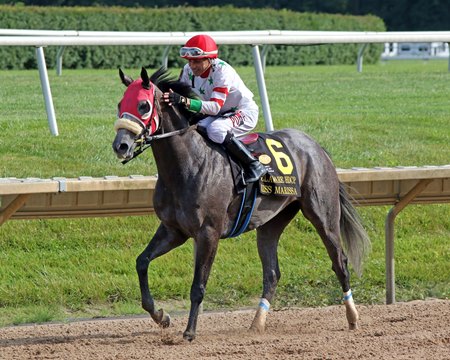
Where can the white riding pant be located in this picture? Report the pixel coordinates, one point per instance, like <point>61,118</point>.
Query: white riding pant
<point>239,123</point>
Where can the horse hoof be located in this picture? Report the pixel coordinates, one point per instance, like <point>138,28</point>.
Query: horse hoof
<point>165,320</point>
<point>352,315</point>
<point>162,318</point>
<point>259,322</point>
<point>256,329</point>
<point>189,336</point>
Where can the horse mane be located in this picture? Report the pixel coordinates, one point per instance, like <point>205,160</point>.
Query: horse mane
<point>164,80</point>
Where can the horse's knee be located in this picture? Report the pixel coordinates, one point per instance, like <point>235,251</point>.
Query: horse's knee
<point>142,263</point>
<point>197,293</point>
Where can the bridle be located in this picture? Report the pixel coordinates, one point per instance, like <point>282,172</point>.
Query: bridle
<point>144,141</point>
<point>147,128</point>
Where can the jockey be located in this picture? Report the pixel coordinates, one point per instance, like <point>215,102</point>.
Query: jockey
<point>225,100</point>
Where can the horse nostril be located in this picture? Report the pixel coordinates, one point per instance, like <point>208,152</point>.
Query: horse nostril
<point>123,147</point>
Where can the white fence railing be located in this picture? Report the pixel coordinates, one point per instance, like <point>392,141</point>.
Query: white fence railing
<point>42,38</point>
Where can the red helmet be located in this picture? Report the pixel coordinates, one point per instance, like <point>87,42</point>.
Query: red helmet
<point>199,47</point>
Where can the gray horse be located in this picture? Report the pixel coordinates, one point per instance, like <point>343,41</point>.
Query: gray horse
<point>195,197</point>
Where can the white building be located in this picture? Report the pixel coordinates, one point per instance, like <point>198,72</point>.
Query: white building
<point>408,51</point>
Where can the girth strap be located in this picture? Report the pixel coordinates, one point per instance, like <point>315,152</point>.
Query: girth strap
<point>245,211</point>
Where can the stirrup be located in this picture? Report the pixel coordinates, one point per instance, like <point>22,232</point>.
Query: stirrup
<point>254,172</point>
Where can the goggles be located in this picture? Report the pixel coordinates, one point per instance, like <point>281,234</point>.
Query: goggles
<point>195,52</point>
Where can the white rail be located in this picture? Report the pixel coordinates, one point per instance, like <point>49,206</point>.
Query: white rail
<point>42,38</point>
<point>268,37</point>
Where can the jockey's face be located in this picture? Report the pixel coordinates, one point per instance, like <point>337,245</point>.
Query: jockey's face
<point>199,66</point>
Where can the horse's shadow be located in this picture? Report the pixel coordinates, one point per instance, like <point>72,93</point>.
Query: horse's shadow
<point>66,339</point>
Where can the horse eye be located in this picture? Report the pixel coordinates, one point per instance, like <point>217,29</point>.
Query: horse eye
<point>143,107</point>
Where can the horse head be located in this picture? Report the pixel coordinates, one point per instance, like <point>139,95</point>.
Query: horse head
<point>142,113</point>
<point>137,114</point>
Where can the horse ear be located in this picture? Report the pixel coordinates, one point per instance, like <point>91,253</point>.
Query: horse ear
<point>145,79</point>
<point>126,80</point>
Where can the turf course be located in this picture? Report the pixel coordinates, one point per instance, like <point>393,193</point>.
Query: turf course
<point>392,114</point>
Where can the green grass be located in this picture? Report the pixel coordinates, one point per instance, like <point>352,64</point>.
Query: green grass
<point>392,114</point>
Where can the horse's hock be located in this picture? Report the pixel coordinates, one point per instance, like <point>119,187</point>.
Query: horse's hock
<point>133,195</point>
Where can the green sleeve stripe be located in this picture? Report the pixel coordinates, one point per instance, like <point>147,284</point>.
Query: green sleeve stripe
<point>196,105</point>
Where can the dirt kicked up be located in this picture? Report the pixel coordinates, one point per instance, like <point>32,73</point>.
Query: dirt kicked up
<point>414,330</point>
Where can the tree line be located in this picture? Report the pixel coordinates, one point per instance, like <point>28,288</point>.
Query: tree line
<point>181,19</point>
<point>398,15</point>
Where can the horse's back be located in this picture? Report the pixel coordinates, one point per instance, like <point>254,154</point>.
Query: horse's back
<point>309,156</point>
<point>319,179</point>
<point>297,140</point>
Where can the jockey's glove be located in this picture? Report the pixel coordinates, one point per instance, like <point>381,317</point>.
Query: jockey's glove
<point>173,98</point>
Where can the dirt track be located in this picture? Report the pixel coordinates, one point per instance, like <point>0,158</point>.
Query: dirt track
<point>415,330</point>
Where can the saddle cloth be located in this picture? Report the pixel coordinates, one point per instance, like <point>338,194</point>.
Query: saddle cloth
<point>283,177</point>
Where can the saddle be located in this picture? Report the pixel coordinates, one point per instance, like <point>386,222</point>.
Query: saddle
<point>249,138</point>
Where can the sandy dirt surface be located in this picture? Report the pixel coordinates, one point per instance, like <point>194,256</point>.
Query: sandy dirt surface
<point>415,330</point>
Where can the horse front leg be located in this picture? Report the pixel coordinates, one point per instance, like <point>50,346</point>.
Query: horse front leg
<point>206,249</point>
<point>164,240</point>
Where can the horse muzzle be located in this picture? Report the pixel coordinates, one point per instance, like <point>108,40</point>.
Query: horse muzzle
<point>124,144</point>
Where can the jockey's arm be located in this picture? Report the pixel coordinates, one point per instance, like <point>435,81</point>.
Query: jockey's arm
<point>204,107</point>
<point>207,107</point>
<point>211,106</point>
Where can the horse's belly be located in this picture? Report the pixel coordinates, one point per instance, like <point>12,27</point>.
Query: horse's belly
<point>267,207</point>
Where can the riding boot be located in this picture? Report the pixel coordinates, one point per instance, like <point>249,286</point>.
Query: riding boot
<point>253,169</point>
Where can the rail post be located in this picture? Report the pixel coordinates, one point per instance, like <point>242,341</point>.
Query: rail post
<point>262,88</point>
<point>389,236</point>
<point>46,91</point>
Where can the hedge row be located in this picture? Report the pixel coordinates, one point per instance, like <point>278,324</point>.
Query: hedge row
<point>179,19</point>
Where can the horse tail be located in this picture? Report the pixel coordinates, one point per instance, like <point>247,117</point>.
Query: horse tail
<point>356,242</point>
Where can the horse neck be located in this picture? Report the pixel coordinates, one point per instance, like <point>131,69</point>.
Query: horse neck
<point>180,156</point>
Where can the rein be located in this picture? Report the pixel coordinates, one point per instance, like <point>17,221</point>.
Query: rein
<point>145,141</point>
<point>150,138</point>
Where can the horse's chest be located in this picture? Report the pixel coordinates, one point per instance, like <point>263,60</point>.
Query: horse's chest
<point>177,208</point>
<point>190,209</point>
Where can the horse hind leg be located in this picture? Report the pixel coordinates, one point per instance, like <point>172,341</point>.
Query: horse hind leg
<point>268,236</point>
<point>323,211</point>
